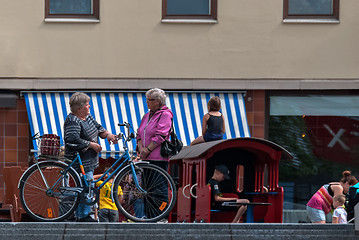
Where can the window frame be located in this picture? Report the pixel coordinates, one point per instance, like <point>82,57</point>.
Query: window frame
<point>94,16</point>
<point>211,17</point>
<point>334,16</point>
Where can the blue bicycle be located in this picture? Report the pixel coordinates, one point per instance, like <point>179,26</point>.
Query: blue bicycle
<point>51,190</point>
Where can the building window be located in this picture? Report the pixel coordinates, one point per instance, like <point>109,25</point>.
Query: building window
<point>74,9</point>
<point>189,9</point>
<point>322,133</point>
<point>311,9</point>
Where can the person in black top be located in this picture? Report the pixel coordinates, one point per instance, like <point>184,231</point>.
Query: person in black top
<point>213,126</point>
<point>353,200</point>
<point>221,172</point>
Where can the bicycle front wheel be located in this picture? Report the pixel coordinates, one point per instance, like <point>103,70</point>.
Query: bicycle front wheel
<point>49,191</point>
<point>153,200</point>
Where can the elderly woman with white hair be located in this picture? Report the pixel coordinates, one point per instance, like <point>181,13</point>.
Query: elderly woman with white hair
<point>154,128</point>
<point>81,132</point>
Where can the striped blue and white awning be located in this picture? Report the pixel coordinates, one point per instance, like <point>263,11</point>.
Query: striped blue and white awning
<point>47,112</point>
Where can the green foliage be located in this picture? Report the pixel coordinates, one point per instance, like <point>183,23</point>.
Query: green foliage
<point>291,133</point>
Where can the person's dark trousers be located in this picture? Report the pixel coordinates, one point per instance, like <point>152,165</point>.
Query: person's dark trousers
<point>161,164</point>
<point>108,215</point>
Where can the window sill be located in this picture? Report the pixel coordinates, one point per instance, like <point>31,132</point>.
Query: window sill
<point>206,21</point>
<point>311,21</point>
<point>71,20</point>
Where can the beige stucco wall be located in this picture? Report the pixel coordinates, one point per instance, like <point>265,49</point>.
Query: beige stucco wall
<point>249,42</point>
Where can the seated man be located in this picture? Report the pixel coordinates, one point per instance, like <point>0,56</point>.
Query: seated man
<point>221,172</point>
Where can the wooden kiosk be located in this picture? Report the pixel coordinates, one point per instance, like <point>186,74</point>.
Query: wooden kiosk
<point>252,162</point>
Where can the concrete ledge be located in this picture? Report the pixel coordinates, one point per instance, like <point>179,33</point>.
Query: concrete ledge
<point>177,83</point>
<point>151,231</point>
<point>322,21</point>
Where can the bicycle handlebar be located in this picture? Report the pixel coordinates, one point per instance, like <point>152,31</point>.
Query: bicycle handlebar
<point>129,135</point>
<point>36,136</point>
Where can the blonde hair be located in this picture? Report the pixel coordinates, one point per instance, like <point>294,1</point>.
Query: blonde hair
<point>339,198</point>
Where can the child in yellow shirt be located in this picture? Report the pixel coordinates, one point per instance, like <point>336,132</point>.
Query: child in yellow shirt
<point>108,211</point>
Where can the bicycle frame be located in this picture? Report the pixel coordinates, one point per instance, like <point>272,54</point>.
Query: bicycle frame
<point>51,190</point>
<point>125,158</point>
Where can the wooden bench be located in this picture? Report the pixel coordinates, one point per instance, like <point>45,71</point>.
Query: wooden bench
<point>250,206</point>
<point>12,200</point>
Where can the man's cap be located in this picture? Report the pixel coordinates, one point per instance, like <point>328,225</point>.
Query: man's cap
<point>223,169</point>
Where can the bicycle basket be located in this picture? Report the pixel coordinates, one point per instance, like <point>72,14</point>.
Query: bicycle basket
<point>50,145</point>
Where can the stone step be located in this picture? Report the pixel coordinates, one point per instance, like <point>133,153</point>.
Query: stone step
<point>153,231</point>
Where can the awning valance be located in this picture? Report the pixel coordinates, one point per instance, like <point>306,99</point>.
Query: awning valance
<point>48,110</point>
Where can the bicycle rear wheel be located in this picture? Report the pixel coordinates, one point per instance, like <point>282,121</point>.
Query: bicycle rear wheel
<point>55,202</point>
<point>154,203</point>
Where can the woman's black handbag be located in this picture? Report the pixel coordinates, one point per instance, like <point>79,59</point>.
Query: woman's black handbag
<point>170,148</point>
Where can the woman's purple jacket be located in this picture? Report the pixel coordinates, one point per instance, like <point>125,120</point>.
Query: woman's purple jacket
<point>154,129</point>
